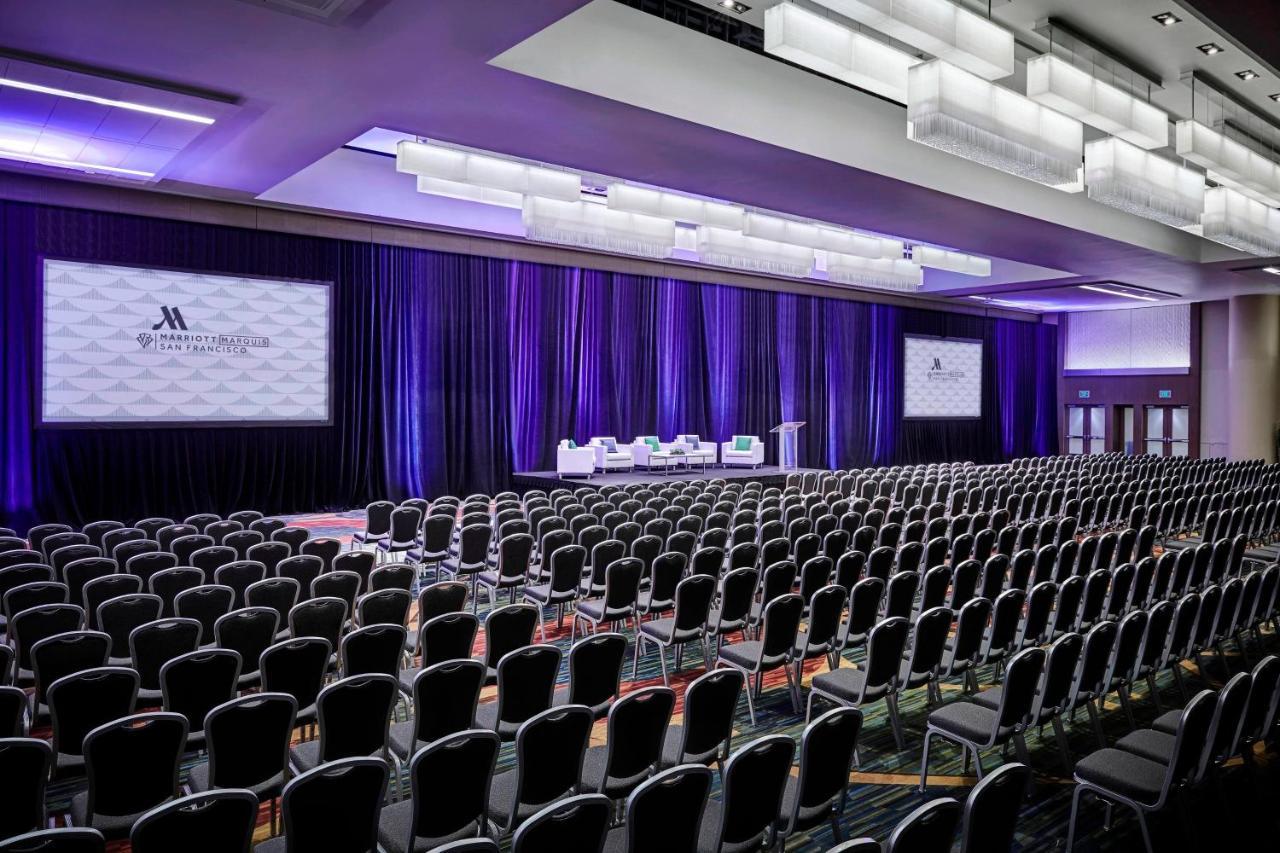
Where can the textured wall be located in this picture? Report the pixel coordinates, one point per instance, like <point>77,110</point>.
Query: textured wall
<point>1142,338</point>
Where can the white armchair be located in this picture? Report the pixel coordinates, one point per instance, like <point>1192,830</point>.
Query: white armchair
<point>640,449</point>
<point>696,450</point>
<point>730,455</point>
<point>610,459</point>
<point>575,460</point>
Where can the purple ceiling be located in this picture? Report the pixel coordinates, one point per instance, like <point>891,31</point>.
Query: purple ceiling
<point>306,88</point>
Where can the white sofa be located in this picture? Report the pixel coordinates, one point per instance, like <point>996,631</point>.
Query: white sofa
<point>610,460</point>
<point>640,450</point>
<point>753,457</point>
<point>695,449</point>
<point>575,460</point>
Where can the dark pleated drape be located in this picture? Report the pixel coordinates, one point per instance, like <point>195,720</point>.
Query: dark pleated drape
<point>451,372</point>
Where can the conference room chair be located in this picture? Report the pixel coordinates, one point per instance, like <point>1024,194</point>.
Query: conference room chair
<point>632,752</point>
<point>292,536</point>
<point>211,558</point>
<point>403,534</point>
<point>1259,722</point>
<point>931,828</point>
<point>563,570</point>
<point>515,555</point>
<point>1052,694</point>
<point>220,820</point>
<point>219,530</point>
<point>617,602</point>
<point>864,612</point>
<point>324,617</point>
<point>991,810</point>
<point>375,648</point>
<point>306,569</point>
<point>975,727</point>
<point>437,537</point>
<point>248,632</point>
<point>692,600</point>
<point>334,808</point>
<point>439,598</point>
<point>472,555</point>
<point>773,650</point>
<point>24,773</point>
<point>80,702</point>
<point>297,668</point>
<point>445,698</point>
<point>132,767</point>
<point>574,825</point>
<point>61,840</point>
<point>170,533</point>
<point>197,682</point>
<point>663,813</point>
<point>526,682</point>
<point>595,673</point>
<point>877,679</point>
<point>241,541</point>
<point>117,617</point>
<point>384,607</point>
<point>38,533</point>
<point>148,564</point>
<point>153,644</point>
<point>13,711</point>
<point>35,624</point>
<point>59,559</point>
<point>399,576</point>
<point>267,526</point>
<point>436,813</point>
<point>248,747</point>
<point>185,546</point>
<point>271,555</point>
<point>549,754</point>
<point>923,660</point>
<point>449,636</point>
<point>52,543</point>
<point>201,520</point>
<point>354,714</point>
<point>327,548</point>
<point>245,516</point>
<point>747,815</point>
<point>1146,787</point>
<point>963,650</point>
<point>778,580</point>
<point>278,594</point>
<point>340,584</point>
<point>239,575</point>
<point>34,594</point>
<point>819,791</point>
<point>1090,682</point>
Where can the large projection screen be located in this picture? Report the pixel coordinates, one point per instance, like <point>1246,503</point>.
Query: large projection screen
<point>942,377</point>
<point>141,347</point>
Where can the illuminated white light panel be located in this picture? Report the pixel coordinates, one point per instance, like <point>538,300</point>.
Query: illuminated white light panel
<point>469,192</point>
<point>823,45</point>
<point>1139,182</point>
<point>1233,219</point>
<point>465,167</point>
<point>960,113</point>
<point>1056,83</point>
<point>815,236</point>
<point>1229,162</point>
<point>1111,292</point>
<point>725,248</point>
<point>942,259</point>
<point>106,102</point>
<point>594,226</point>
<point>939,28</point>
<point>883,273</point>
<point>79,165</point>
<point>681,208</point>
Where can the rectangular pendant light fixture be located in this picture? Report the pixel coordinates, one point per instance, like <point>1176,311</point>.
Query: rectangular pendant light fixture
<point>594,226</point>
<point>1056,83</point>
<point>828,47</point>
<point>882,273</point>
<point>942,259</point>
<point>1229,162</point>
<point>681,208</point>
<point>814,236</point>
<point>1243,223</point>
<point>1139,182</point>
<point>960,113</point>
<point>939,28</point>
<point>724,248</point>
<point>465,167</point>
<point>469,192</point>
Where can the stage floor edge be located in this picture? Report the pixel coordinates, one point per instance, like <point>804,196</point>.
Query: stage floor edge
<point>769,475</point>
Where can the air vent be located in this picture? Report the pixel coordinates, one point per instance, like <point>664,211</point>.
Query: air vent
<point>324,11</point>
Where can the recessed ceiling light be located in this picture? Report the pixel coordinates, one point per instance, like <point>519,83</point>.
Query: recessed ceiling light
<point>1111,292</point>
<point>106,102</point>
<point>1166,19</point>
<point>1272,270</point>
<point>1209,49</point>
<point>1247,74</point>
<point>735,7</point>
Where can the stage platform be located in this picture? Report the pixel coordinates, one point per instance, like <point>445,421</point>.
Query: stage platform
<point>769,475</point>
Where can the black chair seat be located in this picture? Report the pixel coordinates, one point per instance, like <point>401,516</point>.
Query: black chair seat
<point>403,742</point>
<point>809,816</point>
<point>65,764</point>
<point>542,593</point>
<point>1123,772</point>
<point>965,720</point>
<point>267,788</point>
<point>305,756</point>
<point>1150,744</point>
<point>846,684</point>
<point>646,603</point>
<point>406,679</point>
<point>593,608</point>
<point>502,794</point>
<point>395,823</point>
<point>989,698</point>
<point>599,710</point>
<point>495,579</point>
<point>1168,722</point>
<point>272,845</point>
<point>664,631</point>
<point>672,755</point>
<point>593,769</point>
<point>616,840</point>
<point>744,654</point>
<point>487,718</point>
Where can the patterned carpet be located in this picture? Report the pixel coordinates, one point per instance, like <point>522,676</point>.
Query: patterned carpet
<point>1235,812</point>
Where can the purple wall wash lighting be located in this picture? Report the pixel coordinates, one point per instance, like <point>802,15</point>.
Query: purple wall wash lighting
<point>452,371</point>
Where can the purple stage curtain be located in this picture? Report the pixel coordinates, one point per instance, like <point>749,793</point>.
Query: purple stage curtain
<point>451,372</point>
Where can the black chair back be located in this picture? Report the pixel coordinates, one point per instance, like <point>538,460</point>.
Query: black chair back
<point>214,820</point>
<point>24,772</point>
<point>82,701</point>
<point>351,789</point>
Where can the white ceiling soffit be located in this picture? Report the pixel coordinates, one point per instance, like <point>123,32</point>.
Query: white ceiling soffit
<point>603,47</point>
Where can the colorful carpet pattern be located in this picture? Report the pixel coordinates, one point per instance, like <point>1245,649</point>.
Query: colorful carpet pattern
<point>1235,811</point>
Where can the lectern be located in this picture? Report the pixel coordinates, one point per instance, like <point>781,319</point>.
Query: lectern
<point>788,451</point>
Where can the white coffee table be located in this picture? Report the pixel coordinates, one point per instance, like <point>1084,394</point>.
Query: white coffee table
<point>665,460</point>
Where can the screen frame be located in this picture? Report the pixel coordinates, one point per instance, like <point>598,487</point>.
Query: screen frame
<point>902,389</point>
<point>40,423</point>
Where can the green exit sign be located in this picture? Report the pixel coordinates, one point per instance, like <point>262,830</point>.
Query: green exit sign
<point>1084,395</point>
<point>1165,394</point>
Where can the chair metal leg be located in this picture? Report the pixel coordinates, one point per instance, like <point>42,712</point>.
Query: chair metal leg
<point>1063,745</point>
<point>635,659</point>
<point>895,720</point>
<point>924,760</point>
<point>1155,692</point>
<point>1123,693</point>
<point>1071,822</point>
<point>751,708</point>
<point>1097,724</point>
<point>662,660</point>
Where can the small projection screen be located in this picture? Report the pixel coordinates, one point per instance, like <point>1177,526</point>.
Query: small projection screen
<point>142,347</point>
<point>942,377</point>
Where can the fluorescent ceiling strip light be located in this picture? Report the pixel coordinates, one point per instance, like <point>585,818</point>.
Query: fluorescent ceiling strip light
<point>1139,182</point>
<point>106,102</point>
<point>939,28</point>
<point>960,113</point>
<point>941,259</point>
<point>74,164</point>
<point>465,167</point>
<point>1056,83</point>
<point>814,236</point>
<point>681,208</point>
<point>1233,219</point>
<point>725,248</point>
<point>821,44</point>
<point>594,226</point>
<point>1229,162</point>
<point>1111,292</point>
<point>469,192</point>
<point>883,273</point>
